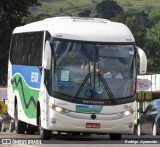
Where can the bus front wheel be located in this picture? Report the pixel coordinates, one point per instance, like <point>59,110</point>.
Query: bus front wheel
<point>44,134</point>
<point>115,136</point>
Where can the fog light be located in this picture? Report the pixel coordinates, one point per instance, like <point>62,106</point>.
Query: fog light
<point>53,120</point>
<point>130,125</point>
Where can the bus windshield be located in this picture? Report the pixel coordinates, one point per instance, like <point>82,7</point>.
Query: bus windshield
<point>93,70</point>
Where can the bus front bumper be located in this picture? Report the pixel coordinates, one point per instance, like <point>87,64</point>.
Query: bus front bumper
<point>78,123</point>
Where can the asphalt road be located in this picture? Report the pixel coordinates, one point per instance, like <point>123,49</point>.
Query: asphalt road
<point>78,141</point>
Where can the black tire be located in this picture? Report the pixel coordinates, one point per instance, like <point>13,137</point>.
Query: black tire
<point>20,126</point>
<point>115,136</point>
<point>31,129</point>
<point>44,134</point>
<point>86,134</point>
<point>76,133</point>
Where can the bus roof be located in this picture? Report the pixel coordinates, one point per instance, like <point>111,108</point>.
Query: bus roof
<point>77,28</point>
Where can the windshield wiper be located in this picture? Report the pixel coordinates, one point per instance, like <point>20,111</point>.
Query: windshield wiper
<point>82,85</point>
<point>106,87</point>
<point>88,76</point>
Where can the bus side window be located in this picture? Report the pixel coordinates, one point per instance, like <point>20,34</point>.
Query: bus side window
<point>12,49</point>
<point>29,59</point>
<point>26,48</point>
<point>23,59</point>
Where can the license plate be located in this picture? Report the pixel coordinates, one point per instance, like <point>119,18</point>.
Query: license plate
<point>92,125</point>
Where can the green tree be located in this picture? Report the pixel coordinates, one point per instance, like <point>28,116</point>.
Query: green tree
<point>138,30</point>
<point>154,34</point>
<point>11,14</point>
<point>152,45</point>
<point>41,17</point>
<point>154,16</point>
<point>119,18</point>
<point>108,9</point>
<point>85,13</point>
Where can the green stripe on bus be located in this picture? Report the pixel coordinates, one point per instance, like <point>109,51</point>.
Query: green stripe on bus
<point>28,96</point>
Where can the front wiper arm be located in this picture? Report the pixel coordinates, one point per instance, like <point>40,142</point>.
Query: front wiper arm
<point>106,87</point>
<point>82,85</point>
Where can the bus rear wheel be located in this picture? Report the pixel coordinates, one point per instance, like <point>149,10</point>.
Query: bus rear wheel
<point>44,134</point>
<point>3,129</point>
<point>0,127</point>
<point>20,126</point>
<point>115,136</point>
<point>11,127</point>
<point>31,129</point>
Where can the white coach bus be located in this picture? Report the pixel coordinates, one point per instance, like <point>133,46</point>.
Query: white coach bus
<point>73,75</point>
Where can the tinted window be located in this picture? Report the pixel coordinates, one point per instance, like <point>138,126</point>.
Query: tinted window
<point>81,66</point>
<point>26,48</point>
<point>154,108</point>
<point>149,107</point>
<point>156,105</point>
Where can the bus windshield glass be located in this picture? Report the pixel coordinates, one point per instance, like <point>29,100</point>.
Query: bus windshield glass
<point>93,70</point>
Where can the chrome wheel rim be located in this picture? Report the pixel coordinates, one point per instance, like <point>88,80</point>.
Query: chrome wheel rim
<point>10,127</point>
<point>154,130</point>
<point>138,130</point>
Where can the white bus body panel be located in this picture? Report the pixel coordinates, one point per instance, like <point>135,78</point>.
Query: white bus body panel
<point>94,30</point>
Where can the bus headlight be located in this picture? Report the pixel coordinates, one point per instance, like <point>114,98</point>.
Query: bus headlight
<point>59,109</point>
<point>128,112</point>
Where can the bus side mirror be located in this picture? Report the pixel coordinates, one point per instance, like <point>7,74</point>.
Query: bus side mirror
<point>143,61</point>
<point>47,56</point>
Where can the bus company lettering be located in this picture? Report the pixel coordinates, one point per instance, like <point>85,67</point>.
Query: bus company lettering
<point>34,77</point>
<point>92,102</point>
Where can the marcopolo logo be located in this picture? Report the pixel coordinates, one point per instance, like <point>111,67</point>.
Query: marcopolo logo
<point>34,77</point>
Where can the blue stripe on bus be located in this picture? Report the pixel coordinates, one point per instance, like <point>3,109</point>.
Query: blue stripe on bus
<point>31,74</point>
